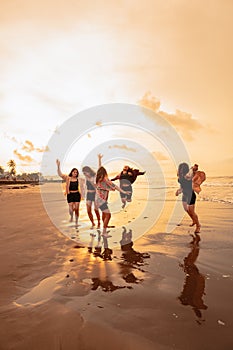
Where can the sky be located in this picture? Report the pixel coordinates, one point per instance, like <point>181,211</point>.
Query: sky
<point>59,58</point>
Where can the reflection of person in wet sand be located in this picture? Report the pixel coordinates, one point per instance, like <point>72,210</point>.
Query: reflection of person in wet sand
<point>106,285</point>
<point>107,252</point>
<point>127,177</point>
<point>130,255</point>
<point>131,259</point>
<point>72,191</point>
<point>194,284</point>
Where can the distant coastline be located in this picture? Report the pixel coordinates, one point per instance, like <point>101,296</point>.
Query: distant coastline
<point>22,182</point>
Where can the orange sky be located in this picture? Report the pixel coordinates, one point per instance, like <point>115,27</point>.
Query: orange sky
<point>60,57</point>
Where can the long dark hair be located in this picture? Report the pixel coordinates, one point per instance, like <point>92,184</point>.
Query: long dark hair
<point>101,173</point>
<point>183,169</point>
<point>88,170</point>
<point>70,174</point>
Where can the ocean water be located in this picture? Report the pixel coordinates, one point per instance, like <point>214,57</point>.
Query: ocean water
<point>214,189</point>
<point>150,202</point>
<point>218,189</point>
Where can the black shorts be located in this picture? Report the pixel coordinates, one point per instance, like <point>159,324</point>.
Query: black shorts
<point>103,206</point>
<point>128,197</point>
<point>73,197</point>
<point>189,198</point>
<point>90,196</point>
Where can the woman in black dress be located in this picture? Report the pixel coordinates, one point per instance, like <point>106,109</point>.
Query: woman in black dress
<point>188,195</point>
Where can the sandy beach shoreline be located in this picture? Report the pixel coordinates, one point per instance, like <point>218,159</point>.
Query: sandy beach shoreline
<point>57,295</point>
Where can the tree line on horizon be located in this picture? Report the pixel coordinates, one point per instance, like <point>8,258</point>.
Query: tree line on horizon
<point>12,174</point>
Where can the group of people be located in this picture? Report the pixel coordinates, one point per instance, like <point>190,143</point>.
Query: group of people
<point>95,188</point>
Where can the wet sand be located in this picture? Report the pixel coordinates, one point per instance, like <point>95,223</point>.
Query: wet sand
<point>161,291</point>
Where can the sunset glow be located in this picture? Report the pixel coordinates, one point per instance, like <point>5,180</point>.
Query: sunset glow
<point>174,59</point>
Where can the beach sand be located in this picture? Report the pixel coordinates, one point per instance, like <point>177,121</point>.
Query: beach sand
<point>162,292</point>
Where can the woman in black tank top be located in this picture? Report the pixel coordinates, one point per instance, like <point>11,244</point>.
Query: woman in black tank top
<point>188,195</point>
<point>72,191</point>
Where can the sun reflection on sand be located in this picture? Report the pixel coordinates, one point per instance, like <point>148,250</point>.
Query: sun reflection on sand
<point>42,292</point>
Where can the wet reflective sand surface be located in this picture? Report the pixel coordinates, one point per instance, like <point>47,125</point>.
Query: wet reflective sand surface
<point>159,291</point>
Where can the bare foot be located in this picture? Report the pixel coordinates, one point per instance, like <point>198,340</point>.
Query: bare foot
<point>192,224</point>
<point>198,229</point>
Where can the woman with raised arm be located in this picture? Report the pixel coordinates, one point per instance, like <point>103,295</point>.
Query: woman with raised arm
<point>90,175</point>
<point>72,191</point>
<point>103,186</point>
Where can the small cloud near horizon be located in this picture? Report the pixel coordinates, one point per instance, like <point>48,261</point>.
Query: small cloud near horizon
<point>124,147</point>
<point>55,130</point>
<point>29,147</point>
<point>160,156</point>
<point>23,158</point>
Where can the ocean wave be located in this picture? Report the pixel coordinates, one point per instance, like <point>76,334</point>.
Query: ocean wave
<point>218,200</point>
<point>218,184</point>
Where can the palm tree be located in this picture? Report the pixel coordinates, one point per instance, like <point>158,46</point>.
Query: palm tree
<point>1,170</point>
<point>11,165</point>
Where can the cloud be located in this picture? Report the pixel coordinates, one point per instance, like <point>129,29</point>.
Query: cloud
<point>29,147</point>
<point>150,101</point>
<point>23,158</point>
<point>55,130</point>
<point>160,156</point>
<point>124,147</point>
<point>11,138</point>
<point>184,123</point>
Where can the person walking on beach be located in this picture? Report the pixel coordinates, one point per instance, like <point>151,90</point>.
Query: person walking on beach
<point>90,176</point>
<point>103,186</point>
<point>72,191</point>
<point>188,195</point>
<point>127,177</point>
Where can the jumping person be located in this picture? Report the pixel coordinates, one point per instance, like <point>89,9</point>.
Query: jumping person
<point>127,177</point>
